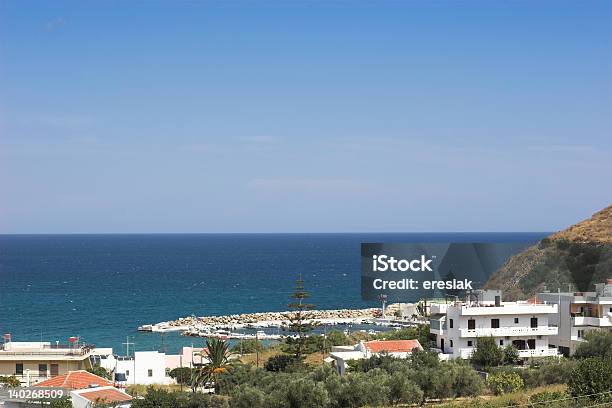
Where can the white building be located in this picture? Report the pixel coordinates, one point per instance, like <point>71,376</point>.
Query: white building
<point>340,355</point>
<point>145,367</point>
<point>579,312</point>
<point>457,325</point>
<point>189,357</point>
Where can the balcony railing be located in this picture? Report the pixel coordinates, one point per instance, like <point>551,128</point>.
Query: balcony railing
<point>548,352</point>
<point>46,352</point>
<point>466,353</point>
<point>605,321</point>
<point>510,331</point>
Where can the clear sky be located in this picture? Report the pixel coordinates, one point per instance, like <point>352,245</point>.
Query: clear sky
<point>299,117</point>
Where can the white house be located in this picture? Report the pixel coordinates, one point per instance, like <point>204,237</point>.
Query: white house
<point>188,357</point>
<point>145,367</point>
<point>104,358</point>
<point>92,397</point>
<point>340,355</point>
<point>578,313</point>
<point>457,325</point>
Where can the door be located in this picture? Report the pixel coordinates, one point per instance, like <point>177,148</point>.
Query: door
<point>534,322</point>
<point>519,344</point>
<point>442,345</point>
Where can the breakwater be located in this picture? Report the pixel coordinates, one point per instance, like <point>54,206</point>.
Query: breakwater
<point>193,325</point>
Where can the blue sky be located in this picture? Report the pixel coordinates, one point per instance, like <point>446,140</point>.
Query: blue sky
<point>303,116</point>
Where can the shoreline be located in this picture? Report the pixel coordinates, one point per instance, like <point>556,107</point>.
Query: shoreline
<point>204,326</point>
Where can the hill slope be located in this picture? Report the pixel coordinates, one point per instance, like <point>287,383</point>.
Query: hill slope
<point>578,257</point>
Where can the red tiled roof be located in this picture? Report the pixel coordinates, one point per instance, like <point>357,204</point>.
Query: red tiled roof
<point>108,395</point>
<point>75,380</point>
<point>392,346</point>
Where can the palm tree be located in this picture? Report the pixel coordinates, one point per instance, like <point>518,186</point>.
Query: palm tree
<point>217,353</point>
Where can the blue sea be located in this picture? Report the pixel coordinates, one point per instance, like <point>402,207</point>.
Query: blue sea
<point>102,287</point>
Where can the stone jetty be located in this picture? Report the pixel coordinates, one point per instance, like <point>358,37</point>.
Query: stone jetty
<point>193,324</point>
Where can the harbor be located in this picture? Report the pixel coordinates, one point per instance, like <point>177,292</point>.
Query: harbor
<point>271,325</point>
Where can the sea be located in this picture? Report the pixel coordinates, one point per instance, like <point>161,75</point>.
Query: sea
<point>102,287</point>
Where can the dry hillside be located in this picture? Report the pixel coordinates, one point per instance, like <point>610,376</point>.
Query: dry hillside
<point>578,257</point>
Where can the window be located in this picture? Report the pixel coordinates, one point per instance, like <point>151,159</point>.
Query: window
<point>19,369</point>
<point>501,342</point>
<point>42,370</point>
<point>495,323</point>
<point>471,324</point>
<point>611,310</point>
<point>580,334</point>
<point>450,324</point>
<point>516,320</point>
<point>534,322</point>
<point>531,344</point>
<point>54,370</point>
<point>469,343</point>
<point>150,373</point>
<point>127,373</point>
<point>451,343</point>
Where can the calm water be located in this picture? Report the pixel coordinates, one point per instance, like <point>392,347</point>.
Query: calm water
<point>102,287</point>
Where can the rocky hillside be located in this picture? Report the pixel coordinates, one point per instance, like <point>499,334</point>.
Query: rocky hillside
<point>578,257</point>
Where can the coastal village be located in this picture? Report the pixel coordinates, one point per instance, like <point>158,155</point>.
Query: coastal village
<point>548,325</point>
<point>425,353</point>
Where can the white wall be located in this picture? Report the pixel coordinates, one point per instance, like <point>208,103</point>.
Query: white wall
<point>137,370</point>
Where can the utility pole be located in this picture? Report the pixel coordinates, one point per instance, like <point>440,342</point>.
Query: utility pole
<point>383,300</point>
<point>127,352</point>
<point>256,350</point>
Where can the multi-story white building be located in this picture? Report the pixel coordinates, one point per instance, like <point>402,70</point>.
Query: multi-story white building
<point>458,325</point>
<point>32,362</point>
<point>578,313</point>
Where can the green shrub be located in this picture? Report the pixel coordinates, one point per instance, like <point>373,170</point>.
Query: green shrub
<point>504,382</point>
<point>598,344</point>
<point>402,390</point>
<point>591,376</point>
<point>543,399</point>
<point>511,355</point>
<point>246,396</point>
<point>487,354</point>
<point>280,362</point>
<point>10,381</point>
<point>182,375</point>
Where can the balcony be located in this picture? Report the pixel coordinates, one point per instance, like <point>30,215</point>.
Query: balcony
<point>510,332</point>
<point>466,353</point>
<point>592,321</point>
<point>509,309</point>
<point>46,353</point>
<point>548,352</point>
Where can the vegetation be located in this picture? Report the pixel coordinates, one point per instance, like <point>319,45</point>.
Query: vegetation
<point>248,346</point>
<point>383,381</point>
<point>280,362</point>
<point>598,344</point>
<point>182,375</point>
<point>300,321</point>
<point>591,376</point>
<point>504,382</point>
<point>10,381</point>
<point>487,354</point>
<point>100,372</point>
<point>217,353</point>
